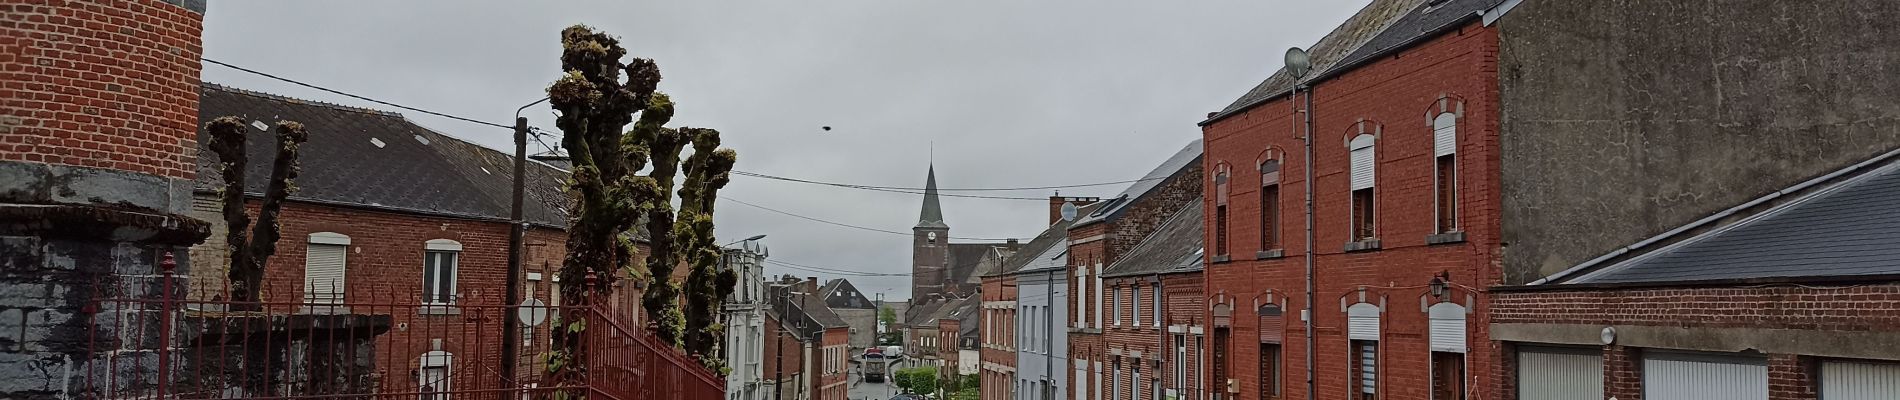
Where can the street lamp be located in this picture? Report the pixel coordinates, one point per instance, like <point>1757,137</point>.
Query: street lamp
<point>516,229</point>
<point>744,240</point>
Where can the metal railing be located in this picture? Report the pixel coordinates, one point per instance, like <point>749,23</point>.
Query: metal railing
<point>148,338</point>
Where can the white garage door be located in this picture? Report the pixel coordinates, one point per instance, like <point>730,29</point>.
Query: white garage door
<point>1855,380</point>
<point>1704,376</point>
<point>1559,373</point>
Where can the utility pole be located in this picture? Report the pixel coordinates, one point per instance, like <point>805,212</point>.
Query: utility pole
<point>510,326</point>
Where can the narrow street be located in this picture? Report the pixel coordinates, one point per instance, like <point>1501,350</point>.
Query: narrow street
<point>861,390</point>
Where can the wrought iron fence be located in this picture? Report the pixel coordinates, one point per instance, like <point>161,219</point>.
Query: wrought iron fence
<point>151,339</point>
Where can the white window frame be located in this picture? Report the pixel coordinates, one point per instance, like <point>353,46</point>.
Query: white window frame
<point>1157,301</point>
<point>454,271</point>
<point>435,360</point>
<point>1134,301</point>
<point>1115,303</point>
<point>340,285</point>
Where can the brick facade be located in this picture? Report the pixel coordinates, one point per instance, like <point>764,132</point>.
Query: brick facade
<point>783,359</point>
<point>1394,98</point>
<point>1093,246</point>
<point>111,86</point>
<point>1151,341</point>
<point>996,338</point>
<point>832,356</point>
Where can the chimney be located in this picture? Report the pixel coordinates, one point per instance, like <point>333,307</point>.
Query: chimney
<point>811,285</point>
<point>1012,242</point>
<point>1056,202</point>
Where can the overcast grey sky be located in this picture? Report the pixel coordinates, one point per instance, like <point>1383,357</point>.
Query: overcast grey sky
<point>1012,93</point>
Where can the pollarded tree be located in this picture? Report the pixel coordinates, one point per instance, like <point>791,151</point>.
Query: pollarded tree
<point>251,246</point>
<point>596,98</point>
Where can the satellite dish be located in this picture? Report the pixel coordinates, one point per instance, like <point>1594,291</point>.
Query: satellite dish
<point>1068,211</point>
<point>1298,62</point>
<point>532,312</point>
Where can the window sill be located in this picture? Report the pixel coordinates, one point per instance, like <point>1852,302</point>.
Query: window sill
<point>1443,238</point>
<point>438,309</point>
<point>1363,245</point>
<point>1269,254</point>
<point>1220,259</point>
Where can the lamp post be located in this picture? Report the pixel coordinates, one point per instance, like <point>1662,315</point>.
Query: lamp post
<point>510,327</point>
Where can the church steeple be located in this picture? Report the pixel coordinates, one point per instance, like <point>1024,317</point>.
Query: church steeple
<point>932,214</point>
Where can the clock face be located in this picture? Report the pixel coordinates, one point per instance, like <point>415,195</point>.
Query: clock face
<point>932,236</point>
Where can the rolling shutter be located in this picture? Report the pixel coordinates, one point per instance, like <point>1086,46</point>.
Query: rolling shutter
<point>323,273</point>
<point>1362,162</point>
<point>1448,327</point>
<point>1445,134</point>
<point>1272,324</point>
<point>1362,322</point>
<point>1270,172</point>
<point>1559,374</point>
<point>1704,376</point>
<point>1858,380</point>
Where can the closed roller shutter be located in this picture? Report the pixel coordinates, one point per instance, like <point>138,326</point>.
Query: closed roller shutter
<point>1445,134</point>
<point>1272,324</point>
<point>1448,327</point>
<point>1859,380</point>
<point>1362,322</point>
<point>1362,167</point>
<point>323,273</point>
<point>1559,374</point>
<point>1704,376</point>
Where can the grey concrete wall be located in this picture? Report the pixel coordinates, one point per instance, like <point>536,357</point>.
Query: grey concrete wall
<point>1622,119</point>
<point>863,326</point>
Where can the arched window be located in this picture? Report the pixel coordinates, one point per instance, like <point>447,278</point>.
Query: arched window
<point>1270,164</point>
<point>1272,335</point>
<point>434,375</point>
<point>1445,171</point>
<point>1448,335</point>
<point>324,262</point>
<point>440,262</point>
<point>1362,331</point>
<point>1364,165</point>
<point>1222,175</point>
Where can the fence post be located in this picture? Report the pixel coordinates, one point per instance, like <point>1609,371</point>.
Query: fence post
<point>167,270</point>
<point>588,339</point>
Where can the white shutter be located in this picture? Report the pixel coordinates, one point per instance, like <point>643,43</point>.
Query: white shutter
<point>1699,376</point>
<point>1445,134</point>
<point>1362,322</point>
<point>1362,162</point>
<point>323,273</point>
<point>1559,374</point>
<point>1856,380</point>
<point>1448,327</point>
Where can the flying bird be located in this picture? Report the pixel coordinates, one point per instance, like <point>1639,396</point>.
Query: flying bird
<point>826,128</point>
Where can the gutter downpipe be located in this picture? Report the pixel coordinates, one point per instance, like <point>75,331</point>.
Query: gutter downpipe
<point>1312,386</point>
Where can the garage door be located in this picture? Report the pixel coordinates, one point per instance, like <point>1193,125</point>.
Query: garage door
<point>1559,373</point>
<point>1858,380</point>
<point>1704,376</point>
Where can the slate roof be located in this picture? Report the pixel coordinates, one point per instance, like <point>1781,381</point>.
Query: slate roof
<point>923,314</point>
<point>966,258</point>
<point>932,214</point>
<point>1175,246</point>
<point>821,313</point>
<point>1849,229</point>
<point>992,263</point>
<point>1381,27</point>
<point>415,169</point>
<point>840,293</point>
<point>1189,155</point>
<point>1044,251</point>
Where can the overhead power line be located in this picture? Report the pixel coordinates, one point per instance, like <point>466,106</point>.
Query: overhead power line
<point>878,189</point>
<point>906,234</point>
<point>353,96</point>
<point>845,272</point>
<point>996,189</point>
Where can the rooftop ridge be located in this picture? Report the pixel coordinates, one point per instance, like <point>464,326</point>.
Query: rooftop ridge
<point>294,100</point>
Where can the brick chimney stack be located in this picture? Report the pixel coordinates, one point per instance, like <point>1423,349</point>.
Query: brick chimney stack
<point>1056,202</point>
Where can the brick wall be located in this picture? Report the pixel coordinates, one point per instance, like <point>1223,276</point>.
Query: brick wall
<point>1394,97</point>
<point>997,336</point>
<point>106,85</point>
<point>1856,308</point>
<point>782,352</point>
<point>831,384</point>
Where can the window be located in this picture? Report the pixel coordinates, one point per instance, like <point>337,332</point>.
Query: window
<point>438,271</point>
<point>1220,374</point>
<point>1269,204</point>
<point>433,377</point>
<point>1366,369</point>
<point>1222,173</point>
<point>1269,371</point>
<point>1134,383</point>
<point>323,266</point>
<point>1098,294</point>
<point>1134,294</point>
<point>1180,361</point>
<point>1115,388</point>
<point>1363,168</point>
<point>1116,303</point>
<point>1157,300</point>
<point>1082,302</point>
<point>1448,350</point>
<point>1445,176</point>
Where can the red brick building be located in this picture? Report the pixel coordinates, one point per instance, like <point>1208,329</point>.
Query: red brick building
<point>1101,237</point>
<point>1156,334</point>
<point>784,359</point>
<point>1402,102</point>
<point>393,218</point>
<point>814,335</point>
<point>997,355</point>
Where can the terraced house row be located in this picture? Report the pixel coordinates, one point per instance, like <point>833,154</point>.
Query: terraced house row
<point>1500,199</point>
